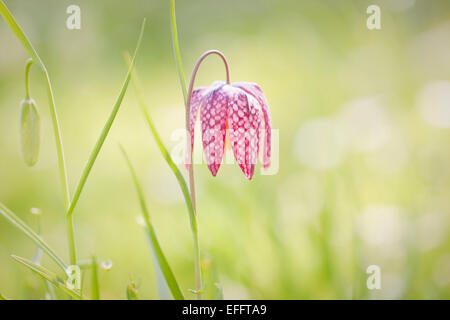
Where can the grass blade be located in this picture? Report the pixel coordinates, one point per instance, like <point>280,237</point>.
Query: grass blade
<point>48,275</point>
<point>20,35</point>
<point>105,131</point>
<point>176,49</point>
<point>161,284</point>
<point>160,258</point>
<point>22,226</point>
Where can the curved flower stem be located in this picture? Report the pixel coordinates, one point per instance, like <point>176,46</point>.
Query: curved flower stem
<point>188,109</point>
<point>27,76</point>
<point>198,273</point>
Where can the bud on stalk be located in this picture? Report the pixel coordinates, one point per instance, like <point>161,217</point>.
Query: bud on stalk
<point>29,131</point>
<point>29,124</point>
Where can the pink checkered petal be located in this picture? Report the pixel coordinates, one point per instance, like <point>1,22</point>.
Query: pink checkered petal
<point>213,121</point>
<point>244,120</point>
<point>254,90</point>
<point>254,131</point>
<point>197,99</point>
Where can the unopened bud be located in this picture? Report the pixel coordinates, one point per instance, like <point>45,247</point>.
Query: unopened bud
<point>29,131</point>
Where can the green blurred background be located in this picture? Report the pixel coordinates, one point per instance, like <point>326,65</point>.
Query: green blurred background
<point>363,119</point>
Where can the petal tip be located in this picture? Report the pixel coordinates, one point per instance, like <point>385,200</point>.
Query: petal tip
<point>214,169</point>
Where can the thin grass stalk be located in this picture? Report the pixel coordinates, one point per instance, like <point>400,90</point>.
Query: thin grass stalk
<point>196,243</point>
<point>176,49</point>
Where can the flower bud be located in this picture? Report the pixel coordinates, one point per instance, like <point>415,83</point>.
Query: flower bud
<point>29,131</point>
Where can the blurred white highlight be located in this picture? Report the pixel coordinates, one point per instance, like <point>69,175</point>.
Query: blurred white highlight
<point>362,125</point>
<point>432,230</point>
<point>381,225</point>
<point>434,103</point>
<point>318,144</point>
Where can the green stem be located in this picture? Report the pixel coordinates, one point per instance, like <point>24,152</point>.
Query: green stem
<point>62,167</point>
<point>71,239</point>
<point>176,50</point>
<point>189,150</point>
<point>27,76</point>
<point>59,144</point>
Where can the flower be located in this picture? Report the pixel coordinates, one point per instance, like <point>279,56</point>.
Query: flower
<point>239,111</point>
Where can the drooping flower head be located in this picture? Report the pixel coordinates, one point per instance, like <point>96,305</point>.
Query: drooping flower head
<point>239,110</point>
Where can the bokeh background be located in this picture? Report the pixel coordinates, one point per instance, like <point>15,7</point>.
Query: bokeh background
<point>364,161</point>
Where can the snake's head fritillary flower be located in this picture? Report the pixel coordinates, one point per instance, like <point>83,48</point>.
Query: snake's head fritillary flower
<point>239,110</point>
